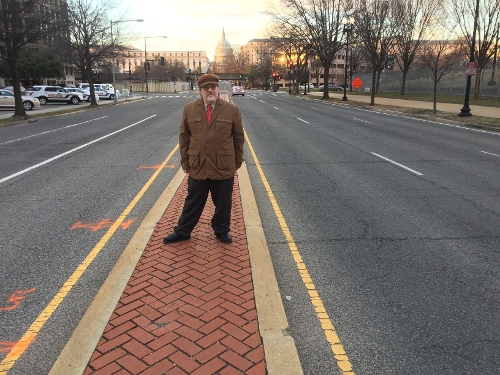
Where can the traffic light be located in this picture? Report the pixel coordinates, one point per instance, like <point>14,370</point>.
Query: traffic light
<point>389,64</point>
<point>162,60</point>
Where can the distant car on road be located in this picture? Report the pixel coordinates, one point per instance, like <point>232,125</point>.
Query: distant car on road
<point>7,100</point>
<point>310,85</point>
<point>238,90</point>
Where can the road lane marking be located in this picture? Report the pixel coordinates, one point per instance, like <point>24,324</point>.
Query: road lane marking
<point>399,165</point>
<point>50,131</point>
<point>298,118</point>
<point>361,120</point>
<point>171,166</point>
<point>276,108</point>
<point>70,151</point>
<point>489,153</point>
<point>20,347</point>
<point>323,317</point>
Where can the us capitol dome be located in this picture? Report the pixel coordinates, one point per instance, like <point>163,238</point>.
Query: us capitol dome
<point>223,55</point>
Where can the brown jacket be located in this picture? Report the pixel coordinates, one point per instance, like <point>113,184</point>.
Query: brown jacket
<point>214,150</point>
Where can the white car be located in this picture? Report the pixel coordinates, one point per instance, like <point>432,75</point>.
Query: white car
<point>53,94</point>
<point>7,100</point>
<point>311,86</point>
<point>105,88</point>
<point>86,94</point>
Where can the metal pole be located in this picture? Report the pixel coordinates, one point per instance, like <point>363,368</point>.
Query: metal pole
<point>465,111</point>
<point>146,67</point>
<point>347,30</point>
<point>305,76</point>
<point>113,69</point>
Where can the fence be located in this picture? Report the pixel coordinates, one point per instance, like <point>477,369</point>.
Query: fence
<point>161,87</point>
<point>421,82</point>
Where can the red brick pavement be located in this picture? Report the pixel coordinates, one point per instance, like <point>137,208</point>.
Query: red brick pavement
<point>188,308</point>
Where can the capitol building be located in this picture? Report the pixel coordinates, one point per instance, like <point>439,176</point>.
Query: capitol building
<point>224,60</point>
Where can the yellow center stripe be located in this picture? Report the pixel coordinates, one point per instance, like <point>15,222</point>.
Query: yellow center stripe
<point>326,324</point>
<point>37,325</point>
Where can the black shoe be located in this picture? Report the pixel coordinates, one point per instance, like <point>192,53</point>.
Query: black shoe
<point>224,237</point>
<point>174,237</point>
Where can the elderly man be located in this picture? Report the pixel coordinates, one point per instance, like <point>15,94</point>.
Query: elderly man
<point>211,145</point>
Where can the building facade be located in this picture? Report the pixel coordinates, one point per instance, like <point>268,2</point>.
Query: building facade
<point>134,58</point>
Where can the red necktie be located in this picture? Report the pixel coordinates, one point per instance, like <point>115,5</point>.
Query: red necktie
<point>209,113</point>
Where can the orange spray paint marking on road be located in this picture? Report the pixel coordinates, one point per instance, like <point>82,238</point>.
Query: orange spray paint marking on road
<point>106,223</point>
<point>172,166</point>
<point>6,346</point>
<point>15,299</point>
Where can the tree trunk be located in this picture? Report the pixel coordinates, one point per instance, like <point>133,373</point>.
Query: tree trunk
<point>403,82</point>
<point>374,82</point>
<point>478,83</point>
<point>435,92</point>
<point>326,80</point>
<point>19,109</point>
<point>378,81</point>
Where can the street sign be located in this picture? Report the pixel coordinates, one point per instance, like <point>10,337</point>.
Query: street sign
<point>470,68</point>
<point>357,83</point>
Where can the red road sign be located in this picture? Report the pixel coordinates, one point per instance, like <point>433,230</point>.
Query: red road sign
<point>357,83</point>
<point>470,68</point>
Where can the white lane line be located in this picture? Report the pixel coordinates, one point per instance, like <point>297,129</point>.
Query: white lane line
<point>50,131</point>
<point>70,151</point>
<point>361,120</point>
<point>489,153</point>
<point>276,108</point>
<point>261,101</point>
<point>298,118</point>
<point>399,165</point>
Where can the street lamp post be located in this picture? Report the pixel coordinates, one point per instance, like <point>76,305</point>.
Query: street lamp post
<point>348,25</point>
<point>146,60</point>
<point>305,76</point>
<point>465,111</point>
<point>113,69</point>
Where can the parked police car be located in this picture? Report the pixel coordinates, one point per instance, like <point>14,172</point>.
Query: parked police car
<point>47,94</point>
<point>105,88</point>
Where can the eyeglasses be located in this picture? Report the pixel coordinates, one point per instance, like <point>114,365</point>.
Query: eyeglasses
<point>209,87</point>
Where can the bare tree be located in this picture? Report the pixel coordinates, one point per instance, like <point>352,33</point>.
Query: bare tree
<point>411,20</point>
<point>373,32</point>
<point>290,40</point>
<point>487,25</point>
<point>90,42</point>
<point>441,56</point>
<point>319,22</point>
<point>22,23</point>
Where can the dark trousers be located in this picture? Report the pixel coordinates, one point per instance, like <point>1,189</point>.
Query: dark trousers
<point>222,196</point>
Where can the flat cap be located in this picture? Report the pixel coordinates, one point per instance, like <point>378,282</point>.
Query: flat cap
<point>208,78</point>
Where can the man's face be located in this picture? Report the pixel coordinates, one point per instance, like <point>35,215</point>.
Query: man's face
<point>210,93</point>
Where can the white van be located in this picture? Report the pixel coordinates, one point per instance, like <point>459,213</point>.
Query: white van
<point>104,90</point>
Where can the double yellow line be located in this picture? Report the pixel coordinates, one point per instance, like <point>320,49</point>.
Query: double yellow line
<point>20,347</point>
<point>323,317</point>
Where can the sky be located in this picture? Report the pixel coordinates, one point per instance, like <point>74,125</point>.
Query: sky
<point>192,25</point>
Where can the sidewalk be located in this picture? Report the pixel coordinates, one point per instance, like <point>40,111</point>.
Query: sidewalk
<point>196,307</point>
<point>444,107</point>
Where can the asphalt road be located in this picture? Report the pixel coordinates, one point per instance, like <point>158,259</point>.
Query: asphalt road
<point>404,256</point>
<point>396,220</point>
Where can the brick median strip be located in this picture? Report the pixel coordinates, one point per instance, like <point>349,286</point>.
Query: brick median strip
<point>189,307</point>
